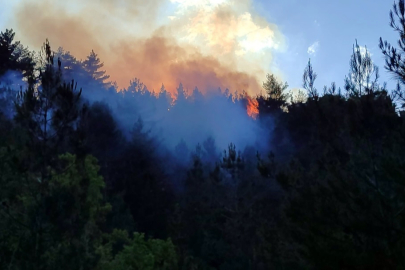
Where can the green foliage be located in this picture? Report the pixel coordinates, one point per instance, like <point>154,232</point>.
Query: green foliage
<point>46,222</point>
<point>86,189</point>
<point>346,214</point>
<point>342,206</point>
<point>275,98</point>
<point>275,89</point>
<point>222,221</point>
<point>136,253</point>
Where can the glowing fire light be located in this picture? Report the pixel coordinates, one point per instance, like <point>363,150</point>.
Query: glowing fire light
<point>252,107</point>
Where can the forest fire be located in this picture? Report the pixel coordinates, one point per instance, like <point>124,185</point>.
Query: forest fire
<point>128,142</point>
<point>252,107</point>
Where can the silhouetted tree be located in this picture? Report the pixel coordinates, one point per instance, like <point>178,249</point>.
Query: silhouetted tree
<point>49,112</point>
<point>360,81</point>
<point>181,94</point>
<point>275,90</point>
<point>72,68</point>
<point>164,100</point>
<point>275,97</point>
<point>13,56</point>
<point>309,78</point>
<point>137,87</point>
<point>394,57</point>
<point>332,90</point>
<point>93,65</point>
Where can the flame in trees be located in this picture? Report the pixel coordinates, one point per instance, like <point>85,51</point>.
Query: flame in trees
<point>252,107</point>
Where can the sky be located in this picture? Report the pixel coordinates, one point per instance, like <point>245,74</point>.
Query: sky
<point>325,31</point>
<point>208,43</point>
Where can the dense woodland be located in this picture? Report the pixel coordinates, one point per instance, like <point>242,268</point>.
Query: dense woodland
<point>85,185</point>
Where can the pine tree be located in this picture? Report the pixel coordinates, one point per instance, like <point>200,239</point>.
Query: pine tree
<point>275,97</point>
<point>181,94</point>
<point>71,67</point>
<point>93,65</point>
<point>394,57</point>
<point>13,56</point>
<point>359,81</point>
<point>275,89</point>
<point>309,78</point>
<point>164,99</point>
<point>48,113</point>
<point>197,97</point>
<point>136,87</point>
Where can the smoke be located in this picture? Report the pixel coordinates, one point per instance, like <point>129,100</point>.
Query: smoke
<point>190,120</point>
<point>13,80</point>
<point>203,43</point>
<point>208,44</point>
<point>10,83</point>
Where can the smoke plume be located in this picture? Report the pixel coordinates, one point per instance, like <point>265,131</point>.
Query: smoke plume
<point>203,43</point>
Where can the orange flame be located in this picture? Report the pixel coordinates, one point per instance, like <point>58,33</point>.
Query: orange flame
<point>252,107</point>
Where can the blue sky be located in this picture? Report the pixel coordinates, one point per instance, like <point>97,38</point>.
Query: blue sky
<point>331,26</point>
<point>334,25</point>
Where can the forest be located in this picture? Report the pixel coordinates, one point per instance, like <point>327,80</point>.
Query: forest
<point>96,177</point>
